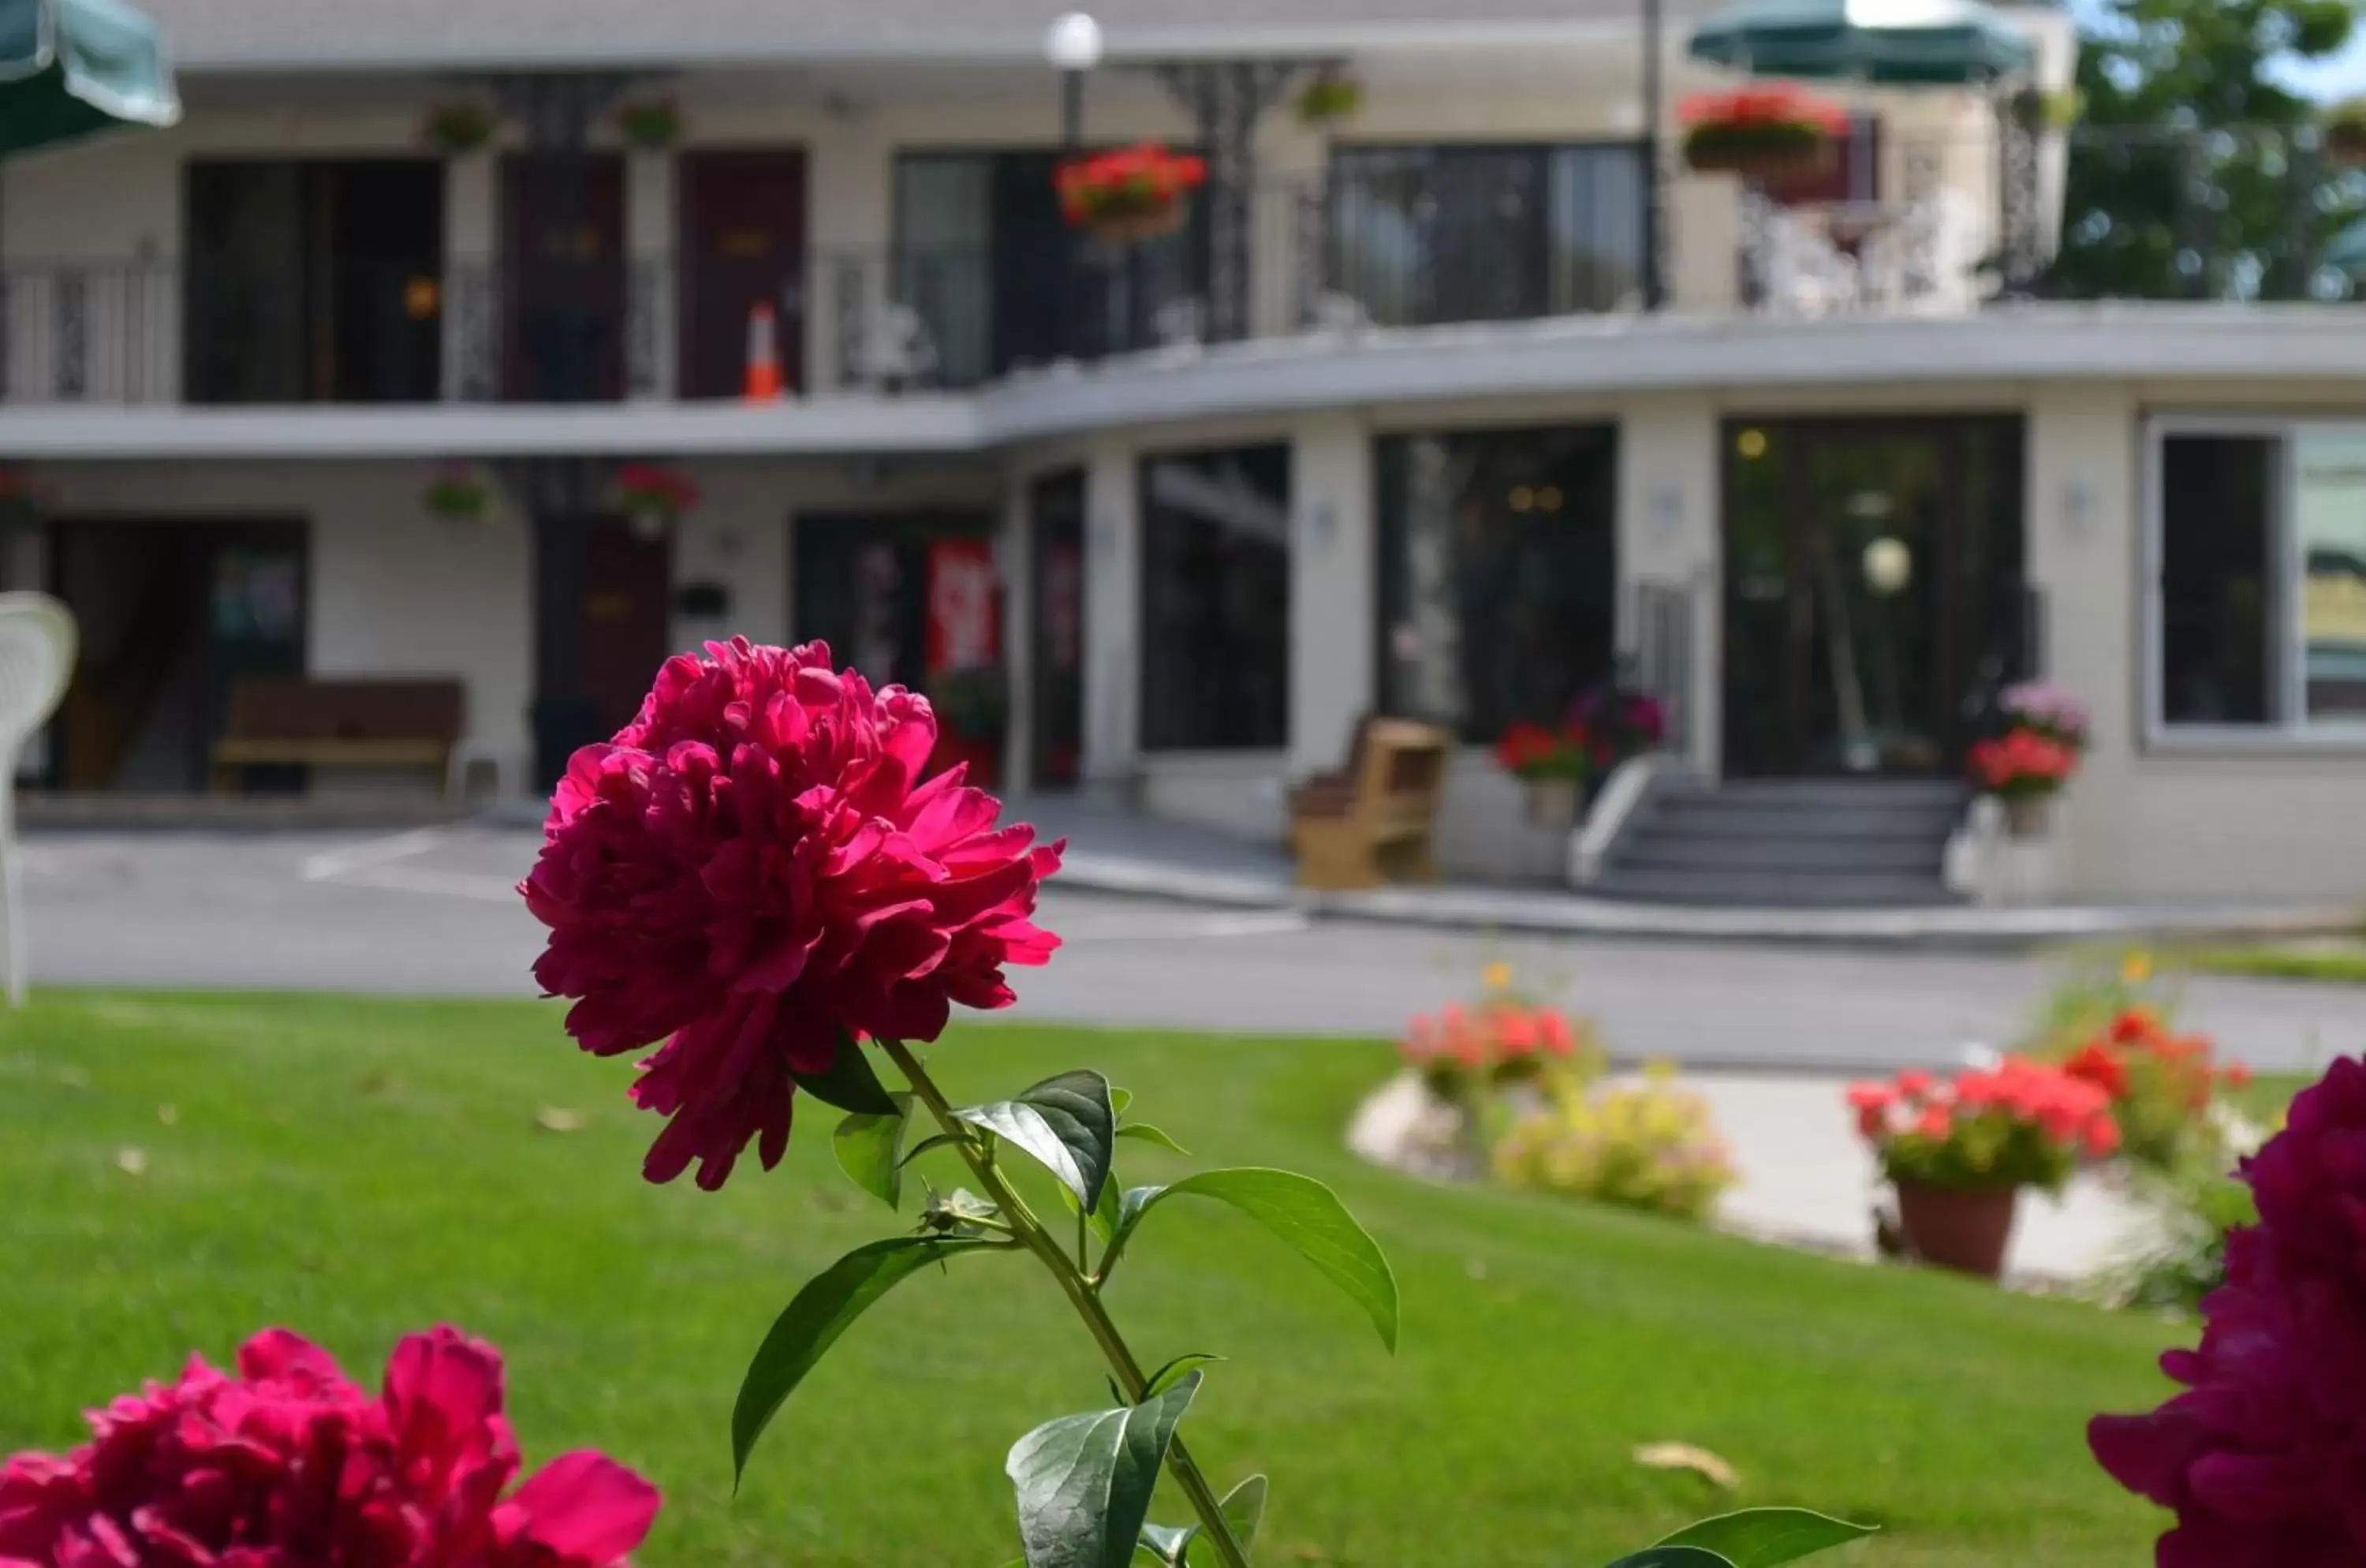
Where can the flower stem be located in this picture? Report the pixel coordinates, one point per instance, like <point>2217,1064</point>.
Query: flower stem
<point>1072,1282</point>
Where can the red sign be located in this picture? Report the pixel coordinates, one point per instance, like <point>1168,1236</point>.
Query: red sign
<point>964,606</point>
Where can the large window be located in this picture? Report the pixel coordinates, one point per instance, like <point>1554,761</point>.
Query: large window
<point>315,281</point>
<point>2259,608</point>
<point>1215,597</point>
<point>1498,573</point>
<point>999,279</point>
<point>1420,235</point>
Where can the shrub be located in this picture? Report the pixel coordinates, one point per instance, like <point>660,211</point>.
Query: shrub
<point>1648,1145</point>
<point>2161,1087</point>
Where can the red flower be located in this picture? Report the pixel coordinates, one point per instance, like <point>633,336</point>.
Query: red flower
<point>2097,1065</point>
<point>288,1464</point>
<point>753,869</point>
<point>2237,1075</point>
<point>1132,180</point>
<point>2263,1456</point>
<point>1776,105</point>
<point>2022,762</point>
<point>1914,1083</point>
<point>1936,1122</point>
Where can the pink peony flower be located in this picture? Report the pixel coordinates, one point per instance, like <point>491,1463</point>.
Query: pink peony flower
<point>751,868</point>
<point>288,1465</point>
<point>2263,1455</point>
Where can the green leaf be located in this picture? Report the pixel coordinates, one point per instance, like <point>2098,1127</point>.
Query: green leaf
<point>1150,1134</point>
<point>1170,1374</point>
<point>848,1082</point>
<point>806,1328</point>
<point>1065,1123</point>
<point>1085,1482</point>
<point>937,1141</point>
<point>1168,1543</point>
<point>1244,1510</point>
<point>1104,1216</point>
<point>1119,1100</point>
<point>1673,1557</point>
<point>866,1147</point>
<point>1765,1538</point>
<point>1301,1212</point>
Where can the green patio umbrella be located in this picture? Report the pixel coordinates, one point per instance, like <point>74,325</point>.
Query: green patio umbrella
<point>71,67</point>
<point>1882,43</point>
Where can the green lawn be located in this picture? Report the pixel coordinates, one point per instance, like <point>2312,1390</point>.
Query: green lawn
<point>2338,964</point>
<point>354,1169</point>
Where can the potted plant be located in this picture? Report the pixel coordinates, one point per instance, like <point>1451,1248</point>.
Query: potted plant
<point>457,493</point>
<point>651,125</point>
<point>457,128</point>
<point>1131,194</point>
<point>1552,762</point>
<point>2344,128</point>
<point>1959,1150</point>
<point>1763,134</point>
<point>1620,722</point>
<point>2025,769</point>
<point>1331,94</point>
<point>653,496</point>
<point>2046,709</point>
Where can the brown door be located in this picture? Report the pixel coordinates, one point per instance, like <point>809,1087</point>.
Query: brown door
<point>625,628</point>
<point>562,279</point>
<point>743,246</point>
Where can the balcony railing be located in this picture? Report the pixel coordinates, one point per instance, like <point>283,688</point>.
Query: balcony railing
<point>1401,240</point>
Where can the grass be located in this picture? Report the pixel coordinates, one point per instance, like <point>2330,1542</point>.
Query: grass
<point>2340,966</point>
<point>354,1168</point>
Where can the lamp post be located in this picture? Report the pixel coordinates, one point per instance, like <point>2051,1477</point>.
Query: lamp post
<point>1654,59</point>
<point>1074,48</point>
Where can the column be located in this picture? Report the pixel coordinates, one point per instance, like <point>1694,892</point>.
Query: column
<point>1112,619</point>
<point>1015,560</point>
<point>653,287</point>
<point>471,244</point>
<point>849,177</point>
<point>1670,534</point>
<point>1334,587</point>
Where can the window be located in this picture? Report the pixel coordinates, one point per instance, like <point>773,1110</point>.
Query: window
<point>1498,573</point>
<point>2260,605</point>
<point>999,279</point>
<point>315,282</point>
<point>1215,595</point>
<point>1422,235</point>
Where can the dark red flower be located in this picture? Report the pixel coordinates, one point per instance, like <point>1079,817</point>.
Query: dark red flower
<point>288,1465</point>
<point>2263,1455</point>
<point>753,867</point>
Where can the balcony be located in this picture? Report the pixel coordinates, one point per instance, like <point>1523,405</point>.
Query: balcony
<point>1392,241</point>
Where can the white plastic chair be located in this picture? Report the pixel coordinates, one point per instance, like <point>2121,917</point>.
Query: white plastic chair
<point>38,641</point>
<point>895,350</point>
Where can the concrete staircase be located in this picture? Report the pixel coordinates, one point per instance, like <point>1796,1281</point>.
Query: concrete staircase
<point>1806,844</point>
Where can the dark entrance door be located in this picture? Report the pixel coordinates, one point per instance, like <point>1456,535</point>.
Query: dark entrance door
<point>562,277</point>
<point>1057,508</point>
<point>604,607</point>
<point>743,245</point>
<point>914,600</point>
<point>1872,572</point>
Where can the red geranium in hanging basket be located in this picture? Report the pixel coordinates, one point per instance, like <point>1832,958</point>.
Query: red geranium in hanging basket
<point>651,490</point>
<point>1762,133</point>
<point>1131,194</point>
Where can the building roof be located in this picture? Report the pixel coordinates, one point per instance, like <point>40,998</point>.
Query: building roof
<point>359,35</point>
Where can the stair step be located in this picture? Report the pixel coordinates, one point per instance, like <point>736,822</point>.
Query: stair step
<point>1774,889</point>
<point>1656,847</point>
<point>1849,793</point>
<point>1708,820</point>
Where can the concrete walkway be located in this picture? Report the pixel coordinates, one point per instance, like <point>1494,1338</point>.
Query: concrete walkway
<point>1115,852</point>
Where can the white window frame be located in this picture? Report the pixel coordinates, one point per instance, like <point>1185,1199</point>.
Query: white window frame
<point>2292,728</point>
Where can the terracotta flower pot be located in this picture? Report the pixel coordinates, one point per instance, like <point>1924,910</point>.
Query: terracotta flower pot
<point>1552,804</point>
<point>1959,1228</point>
<point>1121,228</point>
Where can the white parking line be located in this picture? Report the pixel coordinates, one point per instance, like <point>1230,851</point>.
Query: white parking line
<point>332,865</point>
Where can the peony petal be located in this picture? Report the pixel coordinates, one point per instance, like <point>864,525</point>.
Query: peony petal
<point>583,1507</point>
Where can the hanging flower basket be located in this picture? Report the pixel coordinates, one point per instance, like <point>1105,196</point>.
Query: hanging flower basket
<point>1131,195</point>
<point>1333,95</point>
<point>455,129</point>
<point>651,125</point>
<point>654,496</point>
<point>1767,135</point>
<point>457,493</point>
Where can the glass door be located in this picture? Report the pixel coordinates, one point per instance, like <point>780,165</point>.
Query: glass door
<point>1869,574</point>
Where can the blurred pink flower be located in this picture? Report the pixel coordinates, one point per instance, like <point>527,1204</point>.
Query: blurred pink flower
<point>288,1465</point>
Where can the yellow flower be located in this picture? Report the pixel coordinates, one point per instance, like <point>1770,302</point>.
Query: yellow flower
<point>1498,976</point>
<point>2136,968</point>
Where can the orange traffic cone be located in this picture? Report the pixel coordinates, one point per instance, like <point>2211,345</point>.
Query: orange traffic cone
<point>763,385</point>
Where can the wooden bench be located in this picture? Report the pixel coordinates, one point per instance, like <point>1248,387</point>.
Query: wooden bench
<point>288,721</point>
<point>1372,824</point>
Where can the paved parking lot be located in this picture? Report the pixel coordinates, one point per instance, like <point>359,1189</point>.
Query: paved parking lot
<point>432,912</point>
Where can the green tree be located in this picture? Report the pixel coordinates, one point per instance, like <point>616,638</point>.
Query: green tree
<point>2194,174</point>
